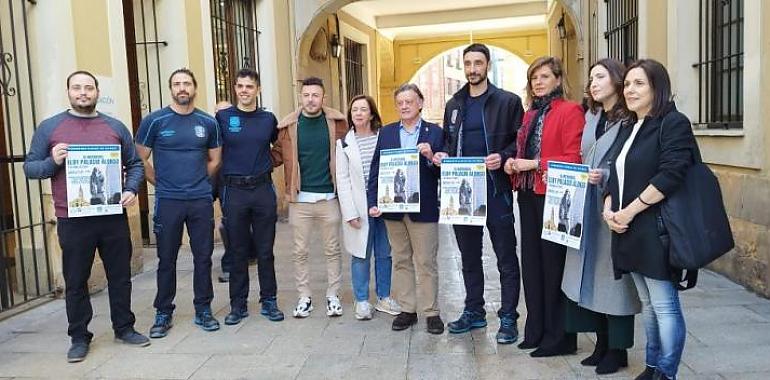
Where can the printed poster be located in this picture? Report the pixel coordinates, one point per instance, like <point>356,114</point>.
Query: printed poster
<point>463,191</point>
<point>398,185</point>
<point>564,203</point>
<point>94,181</point>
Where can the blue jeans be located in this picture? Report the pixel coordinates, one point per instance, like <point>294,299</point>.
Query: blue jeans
<point>663,323</point>
<point>377,242</point>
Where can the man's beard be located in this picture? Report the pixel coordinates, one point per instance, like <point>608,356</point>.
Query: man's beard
<point>84,109</point>
<point>477,79</point>
<point>183,101</point>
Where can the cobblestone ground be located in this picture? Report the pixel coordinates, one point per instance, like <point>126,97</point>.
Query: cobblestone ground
<point>728,335</point>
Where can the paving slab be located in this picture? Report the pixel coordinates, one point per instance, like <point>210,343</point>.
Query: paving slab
<point>728,334</point>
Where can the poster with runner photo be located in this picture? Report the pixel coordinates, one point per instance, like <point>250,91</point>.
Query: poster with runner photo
<point>463,191</point>
<point>398,185</point>
<point>94,180</point>
<point>564,203</point>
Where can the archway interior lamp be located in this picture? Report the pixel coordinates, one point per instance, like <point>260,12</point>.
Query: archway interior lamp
<point>562,28</point>
<point>335,46</point>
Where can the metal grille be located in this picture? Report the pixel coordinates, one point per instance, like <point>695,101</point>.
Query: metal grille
<point>236,45</point>
<point>354,68</point>
<point>720,69</point>
<point>622,30</point>
<point>25,271</point>
<point>146,83</point>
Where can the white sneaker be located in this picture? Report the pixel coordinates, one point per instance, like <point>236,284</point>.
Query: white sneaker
<point>333,306</point>
<point>304,307</point>
<point>388,305</point>
<point>363,311</point>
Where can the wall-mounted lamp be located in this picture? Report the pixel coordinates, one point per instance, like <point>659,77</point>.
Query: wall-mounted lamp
<point>562,28</point>
<point>336,48</point>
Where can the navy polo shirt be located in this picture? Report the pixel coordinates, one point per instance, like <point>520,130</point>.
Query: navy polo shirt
<point>474,141</point>
<point>180,151</point>
<point>246,139</point>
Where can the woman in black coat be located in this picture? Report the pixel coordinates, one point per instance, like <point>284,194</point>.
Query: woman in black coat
<point>649,162</point>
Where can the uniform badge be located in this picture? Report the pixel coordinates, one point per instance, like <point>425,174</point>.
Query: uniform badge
<point>235,124</point>
<point>200,131</point>
<point>454,116</point>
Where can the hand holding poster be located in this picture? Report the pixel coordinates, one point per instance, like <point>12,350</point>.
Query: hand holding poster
<point>564,200</point>
<point>463,191</point>
<point>398,185</point>
<point>94,181</point>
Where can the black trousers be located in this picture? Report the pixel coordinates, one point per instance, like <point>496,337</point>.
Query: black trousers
<point>79,239</point>
<point>250,215</point>
<point>542,267</point>
<point>171,215</point>
<point>503,237</point>
<point>227,257</point>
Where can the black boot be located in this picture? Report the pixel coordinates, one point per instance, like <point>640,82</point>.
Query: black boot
<point>659,376</point>
<point>647,374</point>
<point>612,361</point>
<point>599,350</point>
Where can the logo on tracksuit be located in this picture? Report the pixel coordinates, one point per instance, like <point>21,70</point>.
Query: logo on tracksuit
<point>200,131</point>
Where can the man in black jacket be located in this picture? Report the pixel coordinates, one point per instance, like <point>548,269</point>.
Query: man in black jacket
<point>481,120</point>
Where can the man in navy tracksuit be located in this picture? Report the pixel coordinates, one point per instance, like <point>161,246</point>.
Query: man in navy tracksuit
<point>185,145</point>
<point>248,197</point>
<point>482,121</point>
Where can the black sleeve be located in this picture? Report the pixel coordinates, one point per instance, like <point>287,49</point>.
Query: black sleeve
<point>515,115</point>
<point>676,146</point>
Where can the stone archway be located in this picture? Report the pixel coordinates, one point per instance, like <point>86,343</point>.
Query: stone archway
<point>393,71</point>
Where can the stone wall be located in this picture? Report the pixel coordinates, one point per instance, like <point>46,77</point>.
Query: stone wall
<point>747,199</point>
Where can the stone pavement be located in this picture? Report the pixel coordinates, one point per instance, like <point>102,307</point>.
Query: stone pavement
<point>728,336</point>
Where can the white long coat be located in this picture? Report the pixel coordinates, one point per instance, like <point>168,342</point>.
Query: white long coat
<point>351,191</point>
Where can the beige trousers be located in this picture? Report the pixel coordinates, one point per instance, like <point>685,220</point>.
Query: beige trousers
<point>304,218</point>
<point>414,248</point>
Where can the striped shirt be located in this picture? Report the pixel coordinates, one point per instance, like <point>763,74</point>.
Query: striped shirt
<point>366,147</point>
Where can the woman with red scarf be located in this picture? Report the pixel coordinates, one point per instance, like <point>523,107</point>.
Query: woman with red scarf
<point>551,131</point>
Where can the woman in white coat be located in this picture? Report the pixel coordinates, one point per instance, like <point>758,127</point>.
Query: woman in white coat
<point>363,235</point>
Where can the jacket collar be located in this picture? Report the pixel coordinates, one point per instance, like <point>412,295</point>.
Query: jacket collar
<point>293,118</point>
<point>465,90</point>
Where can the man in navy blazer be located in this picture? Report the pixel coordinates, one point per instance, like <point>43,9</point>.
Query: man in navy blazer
<point>413,239</point>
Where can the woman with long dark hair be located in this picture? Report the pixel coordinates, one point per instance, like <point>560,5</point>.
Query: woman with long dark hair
<point>596,302</point>
<point>551,131</point>
<point>650,163</point>
<point>363,234</point>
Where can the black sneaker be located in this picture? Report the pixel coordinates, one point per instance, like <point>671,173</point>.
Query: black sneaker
<point>133,338</point>
<point>508,332</point>
<point>236,316</point>
<point>435,325</point>
<point>468,321</point>
<point>206,321</point>
<point>161,326</point>
<point>404,320</point>
<point>270,310</point>
<point>77,352</point>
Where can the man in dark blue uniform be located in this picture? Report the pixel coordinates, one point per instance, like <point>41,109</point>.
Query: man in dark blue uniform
<point>185,145</point>
<point>248,197</point>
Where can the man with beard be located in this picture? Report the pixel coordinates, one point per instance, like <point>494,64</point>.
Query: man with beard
<point>80,237</point>
<point>248,197</point>
<point>482,120</point>
<point>185,146</point>
<point>306,148</point>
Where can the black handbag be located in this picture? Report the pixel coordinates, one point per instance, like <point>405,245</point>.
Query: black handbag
<point>696,222</point>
